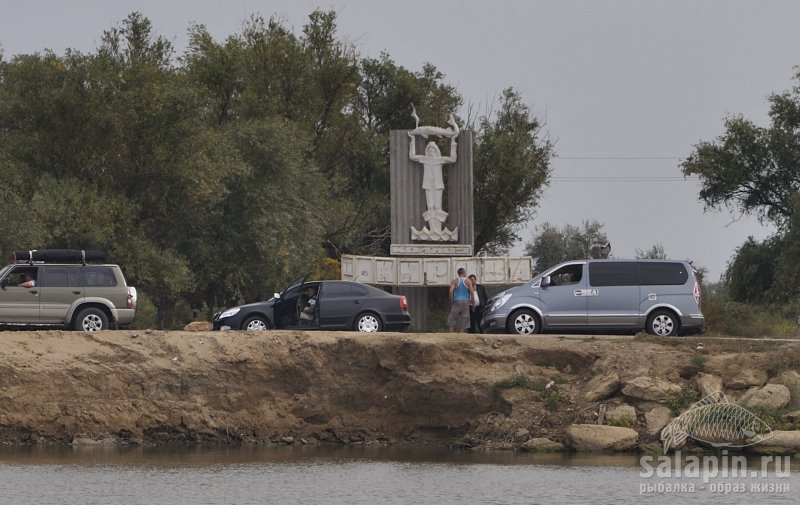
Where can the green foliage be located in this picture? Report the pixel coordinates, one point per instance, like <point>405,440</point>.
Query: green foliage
<point>624,422</point>
<point>511,167</point>
<point>552,245</point>
<point>215,178</point>
<point>681,400</point>
<point>699,360</point>
<point>753,170</point>
<point>776,418</point>
<point>729,318</point>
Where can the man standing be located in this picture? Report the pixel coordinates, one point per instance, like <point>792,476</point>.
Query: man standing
<point>461,290</point>
<point>478,303</point>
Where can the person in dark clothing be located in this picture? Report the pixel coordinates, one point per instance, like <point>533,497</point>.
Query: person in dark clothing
<point>476,308</point>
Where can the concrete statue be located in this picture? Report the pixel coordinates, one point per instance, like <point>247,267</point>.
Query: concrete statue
<point>432,182</point>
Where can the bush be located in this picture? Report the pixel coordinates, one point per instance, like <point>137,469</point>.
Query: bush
<point>725,317</point>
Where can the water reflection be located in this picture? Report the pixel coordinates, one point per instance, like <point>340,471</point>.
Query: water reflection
<point>352,475</point>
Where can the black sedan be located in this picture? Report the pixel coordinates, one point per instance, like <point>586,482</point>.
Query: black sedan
<point>325,305</point>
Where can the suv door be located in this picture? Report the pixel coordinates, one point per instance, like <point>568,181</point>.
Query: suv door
<point>17,304</point>
<point>60,287</point>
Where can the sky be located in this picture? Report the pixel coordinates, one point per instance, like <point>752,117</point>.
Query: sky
<point>626,88</point>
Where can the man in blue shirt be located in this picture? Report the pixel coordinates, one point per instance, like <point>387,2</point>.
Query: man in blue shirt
<point>461,290</point>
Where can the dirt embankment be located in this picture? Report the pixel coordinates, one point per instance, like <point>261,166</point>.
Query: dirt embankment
<point>153,388</point>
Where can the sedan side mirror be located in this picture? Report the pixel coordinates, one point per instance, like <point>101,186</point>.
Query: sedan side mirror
<point>546,281</point>
<point>276,296</point>
<point>4,283</point>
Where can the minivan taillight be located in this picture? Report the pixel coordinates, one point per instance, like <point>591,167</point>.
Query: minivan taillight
<point>403,302</point>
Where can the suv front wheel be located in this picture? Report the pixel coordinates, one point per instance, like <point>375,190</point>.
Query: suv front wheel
<point>91,319</point>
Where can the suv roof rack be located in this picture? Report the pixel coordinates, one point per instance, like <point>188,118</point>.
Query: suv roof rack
<point>58,256</point>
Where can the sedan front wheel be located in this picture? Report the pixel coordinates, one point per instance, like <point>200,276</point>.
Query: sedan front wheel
<point>256,323</point>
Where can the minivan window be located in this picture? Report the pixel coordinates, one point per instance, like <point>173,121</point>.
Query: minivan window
<point>614,273</point>
<point>663,273</point>
<point>566,275</point>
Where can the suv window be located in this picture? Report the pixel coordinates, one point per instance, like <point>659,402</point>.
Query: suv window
<point>663,273</point>
<point>60,277</point>
<point>614,273</point>
<point>98,277</point>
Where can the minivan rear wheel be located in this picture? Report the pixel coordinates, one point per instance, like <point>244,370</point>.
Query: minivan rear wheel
<point>662,323</point>
<point>523,322</point>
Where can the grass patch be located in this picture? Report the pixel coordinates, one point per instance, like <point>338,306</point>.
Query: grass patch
<point>552,398</point>
<point>522,381</point>
<point>786,357</point>
<point>680,400</point>
<point>623,422</point>
<point>775,418</point>
<point>699,360</point>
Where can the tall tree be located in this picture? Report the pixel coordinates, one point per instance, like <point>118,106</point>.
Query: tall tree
<point>753,169</point>
<point>511,168</point>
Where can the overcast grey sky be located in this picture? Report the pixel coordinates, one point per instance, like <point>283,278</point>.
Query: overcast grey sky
<point>626,87</point>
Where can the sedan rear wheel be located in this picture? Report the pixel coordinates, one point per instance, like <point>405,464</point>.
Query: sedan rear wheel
<point>255,323</point>
<point>368,323</point>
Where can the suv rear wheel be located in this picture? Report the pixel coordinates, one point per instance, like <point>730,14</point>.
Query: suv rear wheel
<point>91,319</point>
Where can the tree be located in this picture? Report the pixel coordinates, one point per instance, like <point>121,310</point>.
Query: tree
<point>215,178</point>
<point>552,245</point>
<point>511,167</point>
<point>656,252</point>
<point>752,169</point>
<point>749,277</point>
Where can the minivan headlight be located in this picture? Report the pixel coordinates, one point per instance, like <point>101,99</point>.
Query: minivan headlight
<point>230,312</point>
<point>501,301</point>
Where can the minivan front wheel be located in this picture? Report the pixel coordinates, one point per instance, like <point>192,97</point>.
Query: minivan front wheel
<point>91,319</point>
<point>523,322</point>
<point>662,323</point>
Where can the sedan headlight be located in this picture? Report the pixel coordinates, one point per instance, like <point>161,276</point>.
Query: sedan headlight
<point>500,301</point>
<point>230,312</point>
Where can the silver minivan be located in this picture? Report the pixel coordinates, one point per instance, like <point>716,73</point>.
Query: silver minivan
<point>660,296</point>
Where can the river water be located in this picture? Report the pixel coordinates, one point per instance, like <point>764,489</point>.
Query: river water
<point>313,475</point>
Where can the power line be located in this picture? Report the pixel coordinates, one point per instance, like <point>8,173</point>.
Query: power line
<point>618,158</point>
<point>623,179</point>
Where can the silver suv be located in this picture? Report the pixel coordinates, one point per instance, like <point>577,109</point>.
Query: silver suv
<point>660,296</point>
<point>57,287</point>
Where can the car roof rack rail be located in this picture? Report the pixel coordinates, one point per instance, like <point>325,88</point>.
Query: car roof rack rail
<point>82,256</point>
